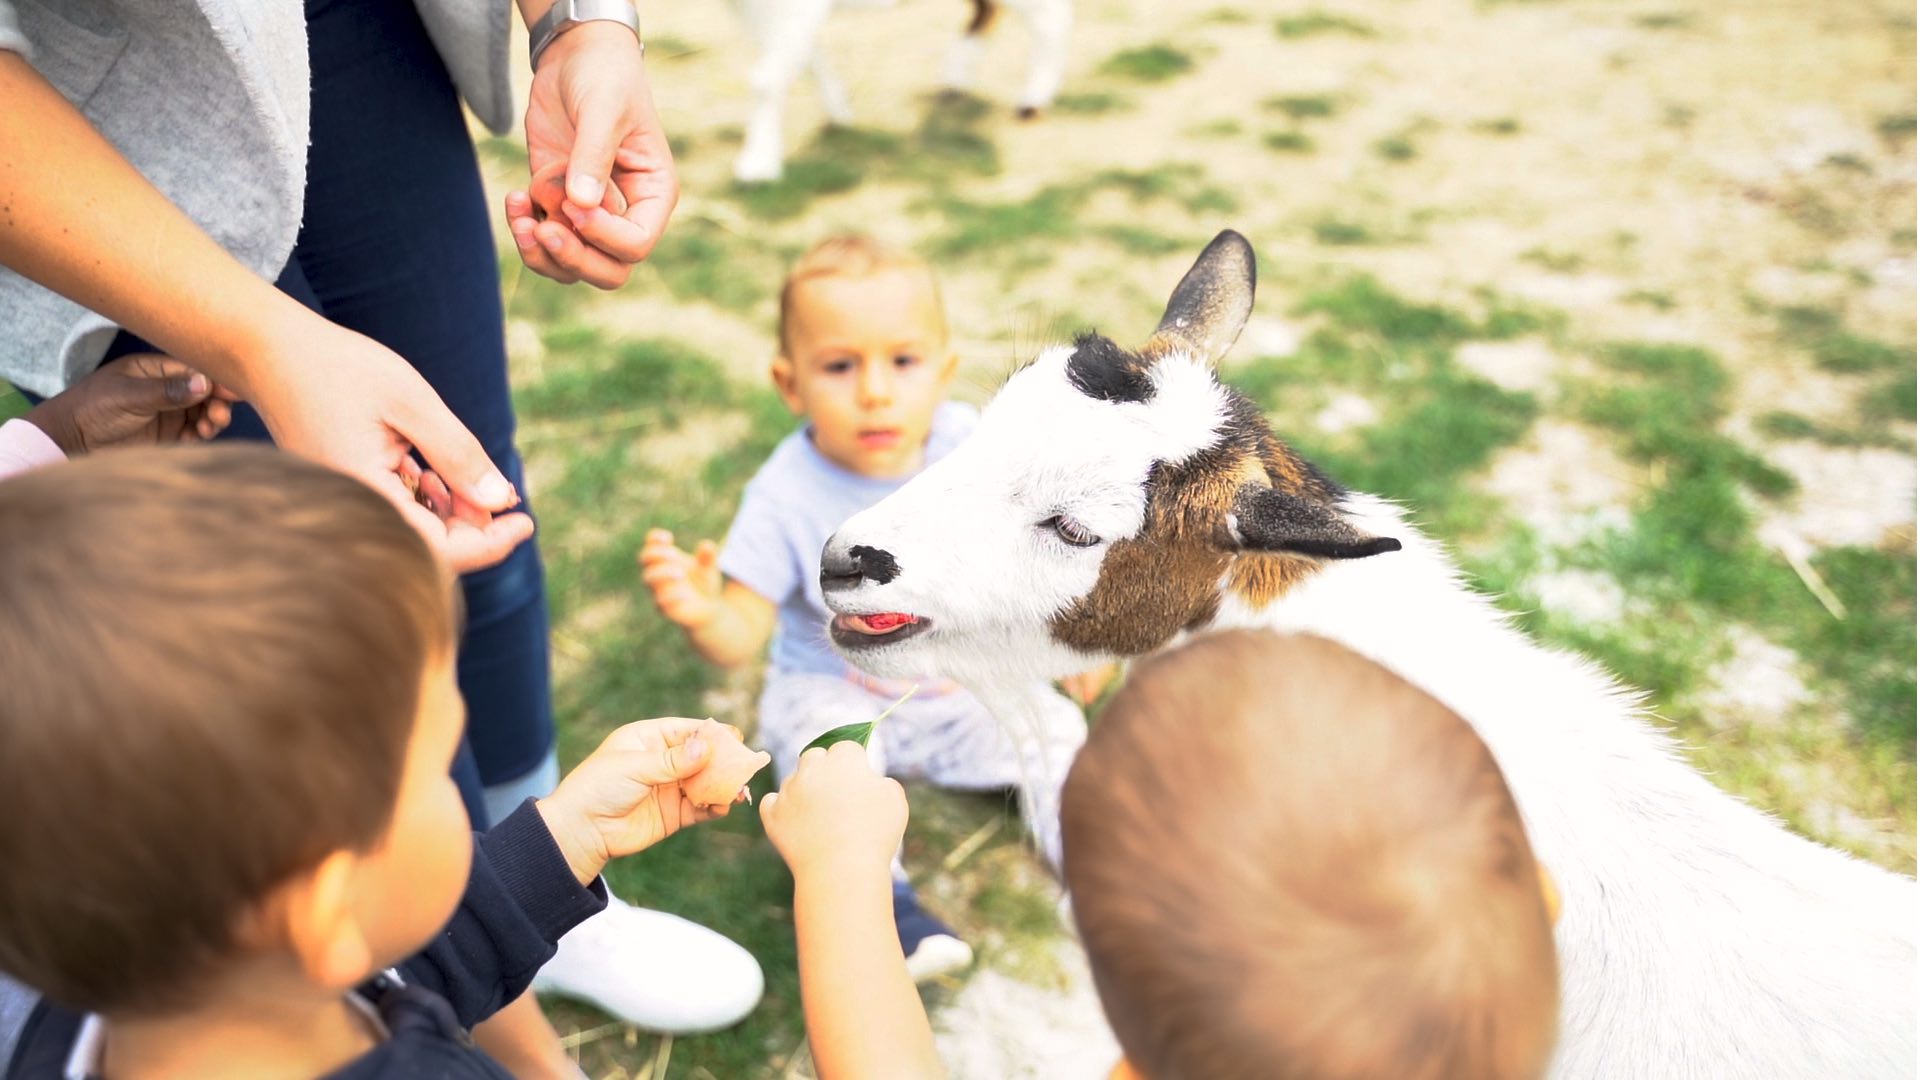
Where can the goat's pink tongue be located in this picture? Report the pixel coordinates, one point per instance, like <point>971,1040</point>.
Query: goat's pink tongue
<point>883,622</point>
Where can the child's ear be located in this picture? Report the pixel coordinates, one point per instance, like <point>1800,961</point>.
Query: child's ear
<point>1549,893</point>
<point>787,383</point>
<point>949,365</point>
<point>321,926</point>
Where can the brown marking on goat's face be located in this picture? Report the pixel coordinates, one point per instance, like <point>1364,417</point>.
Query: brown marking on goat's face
<point>1169,577</point>
<point>1259,578</point>
<point>1153,585</point>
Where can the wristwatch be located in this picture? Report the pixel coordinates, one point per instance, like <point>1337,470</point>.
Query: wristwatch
<point>564,15</point>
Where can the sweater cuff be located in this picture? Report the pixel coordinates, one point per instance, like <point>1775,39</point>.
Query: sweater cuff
<point>24,446</point>
<point>11,36</point>
<point>529,864</point>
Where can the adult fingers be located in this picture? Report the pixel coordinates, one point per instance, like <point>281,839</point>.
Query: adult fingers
<point>599,123</point>
<point>650,182</point>
<point>449,448</point>
<point>620,237</point>
<point>472,547</point>
<point>575,256</point>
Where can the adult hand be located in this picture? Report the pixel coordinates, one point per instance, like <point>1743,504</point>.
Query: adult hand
<point>591,112</point>
<point>347,401</point>
<point>626,796</point>
<point>139,400</point>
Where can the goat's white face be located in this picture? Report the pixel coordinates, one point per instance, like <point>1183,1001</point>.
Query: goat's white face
<point>1102,506</point>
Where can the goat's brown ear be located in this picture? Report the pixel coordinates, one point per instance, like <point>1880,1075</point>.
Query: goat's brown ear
<point>1268,519</point>
<point>1210,305</point>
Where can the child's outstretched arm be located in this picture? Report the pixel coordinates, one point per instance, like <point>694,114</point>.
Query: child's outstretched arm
<point>726,622</point>
<point>837,823</point>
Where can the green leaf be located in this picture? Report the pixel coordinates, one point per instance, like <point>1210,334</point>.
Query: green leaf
<point>862,731</point>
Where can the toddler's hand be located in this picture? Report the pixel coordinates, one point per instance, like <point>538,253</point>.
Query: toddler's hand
<point>835,812</point>
<point>138,400</point>
<point>685,586</point>
<point>627,795</point>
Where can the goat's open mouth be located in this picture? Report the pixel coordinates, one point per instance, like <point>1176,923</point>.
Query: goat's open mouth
<point>876,628</point>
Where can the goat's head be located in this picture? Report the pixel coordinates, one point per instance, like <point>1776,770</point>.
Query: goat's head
<point>1107,502</point>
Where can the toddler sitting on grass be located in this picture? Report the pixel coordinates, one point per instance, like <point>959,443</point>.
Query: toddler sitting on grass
<point>866,362</point>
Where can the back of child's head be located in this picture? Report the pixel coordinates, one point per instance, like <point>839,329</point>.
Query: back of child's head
<point>852,255</point>
<point>210,662</point>
<point>1287,862</point>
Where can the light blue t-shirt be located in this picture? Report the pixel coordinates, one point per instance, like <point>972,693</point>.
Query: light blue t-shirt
<point>790,509</point>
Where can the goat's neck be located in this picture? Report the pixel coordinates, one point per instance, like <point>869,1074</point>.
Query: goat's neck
<point>1568,738</point>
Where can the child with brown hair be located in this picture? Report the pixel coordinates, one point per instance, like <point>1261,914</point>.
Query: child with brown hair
<point>238,852</point>
<point>1286,863</point>
<point>866,361</point>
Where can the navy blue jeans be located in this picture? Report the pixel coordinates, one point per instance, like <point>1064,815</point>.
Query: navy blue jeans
<point>395,244</point>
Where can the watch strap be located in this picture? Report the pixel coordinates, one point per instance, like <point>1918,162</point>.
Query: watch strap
<point>564,15</point>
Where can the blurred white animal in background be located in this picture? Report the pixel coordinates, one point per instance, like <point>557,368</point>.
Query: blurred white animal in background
<point>787,33</point>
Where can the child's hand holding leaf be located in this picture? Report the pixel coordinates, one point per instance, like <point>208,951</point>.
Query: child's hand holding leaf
<point>835,815</point>
<point>861,732</point>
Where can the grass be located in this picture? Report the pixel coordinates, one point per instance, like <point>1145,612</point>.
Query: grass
<point>1396,147</point>
<point>1318,22</point>
<point>947,143</point>
<point>1288,142</point>
<point>1013,232</point>
<point>1096,103</point>
<point>1303,106</point>
<point>1149,64</point>
<point>1499,125</point>
<point>1338,232</point>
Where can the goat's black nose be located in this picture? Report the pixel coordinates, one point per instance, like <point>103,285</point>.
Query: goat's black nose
<point>845,569</point>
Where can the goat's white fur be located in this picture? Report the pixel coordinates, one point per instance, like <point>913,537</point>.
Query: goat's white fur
<point>787,35</point>
<point>1698,937</point>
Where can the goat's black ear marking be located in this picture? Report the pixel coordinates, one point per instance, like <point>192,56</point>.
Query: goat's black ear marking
<point>1267,519</point>
<point>1106,372</point>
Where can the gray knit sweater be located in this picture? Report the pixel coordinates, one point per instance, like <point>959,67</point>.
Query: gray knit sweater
<point>208,99</point>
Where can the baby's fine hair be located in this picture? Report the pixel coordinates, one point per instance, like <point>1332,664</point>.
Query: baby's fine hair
<point>851,255</point>
<point>1287,863</point>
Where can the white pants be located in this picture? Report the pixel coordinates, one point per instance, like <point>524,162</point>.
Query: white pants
<point>950,740</point>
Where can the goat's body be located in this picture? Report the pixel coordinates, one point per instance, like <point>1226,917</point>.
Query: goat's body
<point>1699,938</point>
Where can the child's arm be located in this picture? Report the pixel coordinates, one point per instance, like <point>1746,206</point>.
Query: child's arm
<point>837,823</point>
<point>726,622</point>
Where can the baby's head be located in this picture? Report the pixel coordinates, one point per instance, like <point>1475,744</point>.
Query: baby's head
<point>1286,862</point>
<point>864,354</point>
<point>226,723</point>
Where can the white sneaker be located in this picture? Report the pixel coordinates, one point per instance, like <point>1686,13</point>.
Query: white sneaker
<point>654,970</point>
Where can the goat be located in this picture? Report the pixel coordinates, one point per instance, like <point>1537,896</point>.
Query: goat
<point>787,34</point>
<point>1113,501</point>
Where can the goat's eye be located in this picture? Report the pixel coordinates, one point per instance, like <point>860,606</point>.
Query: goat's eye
<point>1070,531</point>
